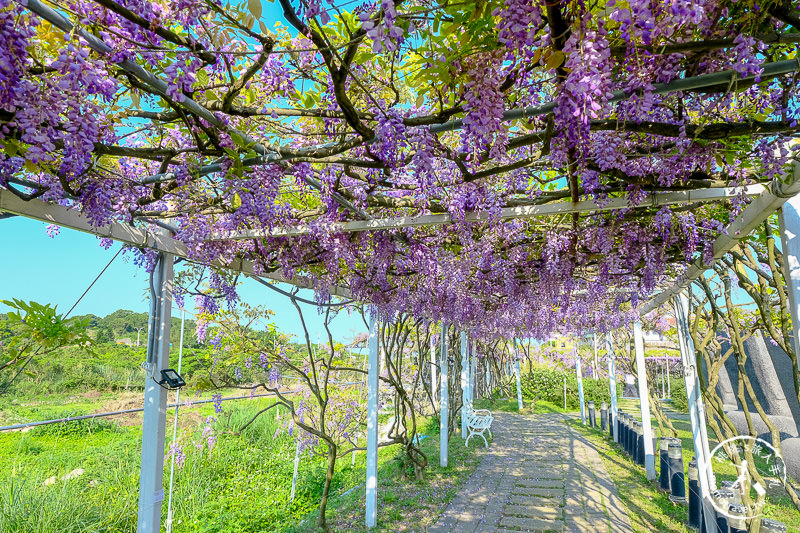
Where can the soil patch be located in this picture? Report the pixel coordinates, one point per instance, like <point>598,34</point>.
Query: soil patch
<point>124,402</point>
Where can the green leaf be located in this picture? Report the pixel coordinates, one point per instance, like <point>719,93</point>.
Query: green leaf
<point>255,8</point>
<point>236,202</point>
<point>238,140</point>
<point>10,147</point>
<point>31,167</point>
<point>555,60</point>
<point>451,28</point>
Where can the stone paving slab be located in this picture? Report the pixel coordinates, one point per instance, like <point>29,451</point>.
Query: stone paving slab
<point>543,483</point>
<point>538,491</point>
<point>538,475</point>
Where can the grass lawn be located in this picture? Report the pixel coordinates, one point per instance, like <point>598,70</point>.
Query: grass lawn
<point>405,504</point>
<point>649,508</point>
<point>510,406</point>
<point>239,483</point>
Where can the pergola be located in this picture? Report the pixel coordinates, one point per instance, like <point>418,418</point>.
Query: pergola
<point>529,148</point>
<point>780,197</point>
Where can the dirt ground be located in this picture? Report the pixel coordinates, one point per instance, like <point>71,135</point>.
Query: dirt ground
<point>187,417</point>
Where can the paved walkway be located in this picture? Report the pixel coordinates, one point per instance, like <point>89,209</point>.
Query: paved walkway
<point>539,475</point>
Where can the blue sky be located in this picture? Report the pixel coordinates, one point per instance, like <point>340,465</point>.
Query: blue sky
<point>58,270</point>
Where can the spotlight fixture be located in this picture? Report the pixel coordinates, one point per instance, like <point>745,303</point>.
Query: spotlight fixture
<point>171,379</point>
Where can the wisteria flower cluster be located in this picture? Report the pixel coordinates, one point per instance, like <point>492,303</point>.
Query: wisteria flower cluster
<point>438,124</point>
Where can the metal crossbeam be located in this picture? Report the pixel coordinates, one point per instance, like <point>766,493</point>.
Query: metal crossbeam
<point>508,213</point>
<point>73,219</point>
<point>724,79</point>
<point>754,214</point>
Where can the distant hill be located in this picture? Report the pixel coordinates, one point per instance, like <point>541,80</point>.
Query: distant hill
<point>113,362</point>
<point>127,327</point>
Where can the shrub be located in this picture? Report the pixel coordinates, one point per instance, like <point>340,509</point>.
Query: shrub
<point>76,427</point>
<point>548,384</point>
<point>679,400</point>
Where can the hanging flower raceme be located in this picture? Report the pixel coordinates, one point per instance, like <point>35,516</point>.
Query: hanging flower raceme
<point>518,26</point>
<point>384,33</point>
<point>586,88</point>
<point>484,106</point>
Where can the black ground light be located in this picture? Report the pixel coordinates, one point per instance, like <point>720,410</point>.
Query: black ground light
<point>604,416</point>
<point>769,525</point>
<point>663,474</point>
<point>639,444</point>
<point>722,499</point>
<point>736,522</point>
<point>695,500</point>
<point>676,480</point>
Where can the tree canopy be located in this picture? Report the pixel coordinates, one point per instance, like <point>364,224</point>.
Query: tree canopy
<point>253,142</point>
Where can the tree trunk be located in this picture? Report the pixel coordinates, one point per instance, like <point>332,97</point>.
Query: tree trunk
<point>322,523</point>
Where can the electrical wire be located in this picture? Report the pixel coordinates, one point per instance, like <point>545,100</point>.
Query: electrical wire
<point>30,358</point>
<point>93,282</point>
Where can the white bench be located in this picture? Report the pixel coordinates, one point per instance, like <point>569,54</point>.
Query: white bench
<point>478,421</point>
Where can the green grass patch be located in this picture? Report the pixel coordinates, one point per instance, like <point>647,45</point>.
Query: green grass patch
<point>649,508</point>
<point>404,503</point>
<point>242,483</point>
<point>509,405</point>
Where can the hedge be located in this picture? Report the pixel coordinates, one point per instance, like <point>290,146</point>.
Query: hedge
<point>548,384</point>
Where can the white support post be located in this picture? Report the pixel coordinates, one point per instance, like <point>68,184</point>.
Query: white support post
<point>473,373</point>
<point>644,402</point>
<point>612,385</point>
<point>296,469</point>
<point>669,384</point>
<point>516,371</point>
<point>789,220</point>
<point>697,416</point>
<point>464,383</point>
<point>372,423</point>
<point>175,427</point>
<point>579,373</point>
<point>443,410</point>
<point>434,387</point>
<point>360,393</point>
<point>154,423</point>
<point>594,370</point>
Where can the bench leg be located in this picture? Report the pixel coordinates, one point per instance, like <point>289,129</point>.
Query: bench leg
<point>478,433</point>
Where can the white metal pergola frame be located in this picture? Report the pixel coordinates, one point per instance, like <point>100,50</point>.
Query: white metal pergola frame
<point>653,199</point>
<point>151,492</point>
<point>53,213</point>
<point>781,194</point>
